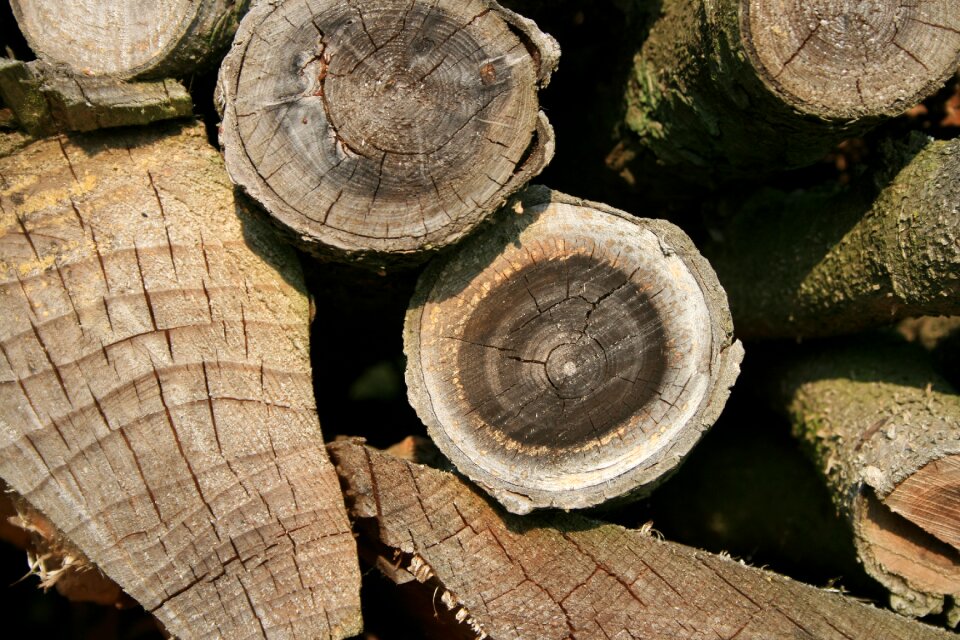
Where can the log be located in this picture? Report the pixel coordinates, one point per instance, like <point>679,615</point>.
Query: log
<point>565,576</point>
<point>761,85</point>
<point>885,431</point>
<point>569,355</point>
<point>165,38</point>
<point>822,262</point>
<point>155,394</point>
<point>52,558</point>
<point>47,100</point>
<point>377,131</point>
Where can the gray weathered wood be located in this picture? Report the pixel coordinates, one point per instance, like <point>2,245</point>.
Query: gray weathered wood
<point>155,390</point>
<point>569,354</point>
<point>376,130</point>
<point>565,576</point>
<point>772,84</point>
<point>155,39</point>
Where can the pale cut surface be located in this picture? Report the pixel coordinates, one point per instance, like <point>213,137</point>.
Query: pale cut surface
<point>128,38</point>
<point>930,498</point>
<point>384,127</point>
<point>155,391</point>
<point>848,59</point>
<point>570,354</point>
<point>564,576</point>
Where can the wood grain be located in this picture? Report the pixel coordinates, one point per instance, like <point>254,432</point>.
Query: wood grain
<point>155,387</point>
<point>570,354</point>
<point>846,60</point>
<point>156,39</point>
<point>372,129</point>
<point>565,576</point>
<point>728,88</point>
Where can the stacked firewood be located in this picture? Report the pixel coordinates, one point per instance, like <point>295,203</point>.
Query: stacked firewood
<point>158,389</point>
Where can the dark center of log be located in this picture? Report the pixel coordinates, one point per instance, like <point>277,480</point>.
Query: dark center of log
<point>845,59</point>
<point>563,353</point>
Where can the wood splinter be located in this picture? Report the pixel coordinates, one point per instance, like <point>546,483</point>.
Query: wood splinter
<point>569,355</point>
<point>376,131</point>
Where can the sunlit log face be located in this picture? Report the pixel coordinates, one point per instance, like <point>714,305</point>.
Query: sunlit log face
<point>381,126</point>
<point>845,59</point>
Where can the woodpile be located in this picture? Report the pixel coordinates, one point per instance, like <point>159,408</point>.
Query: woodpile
<point>225,223</point>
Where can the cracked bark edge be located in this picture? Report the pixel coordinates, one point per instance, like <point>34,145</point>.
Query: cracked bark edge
<point>565,576</point>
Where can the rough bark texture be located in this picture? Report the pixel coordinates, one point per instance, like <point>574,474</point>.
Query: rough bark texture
<point>46,100</point>
<point>885,430</point>
<point>375,130</point>
<point>564,576</point>
<point>569,354</point>
<point>761,84</point>
<point>157,39</point>
<point>155,394</point>
<point>824,263</point>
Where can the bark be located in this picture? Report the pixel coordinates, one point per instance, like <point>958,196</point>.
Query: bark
<point>164,38</point>
<point>374,131</point>
<point>155,393</point>
<point>825,263</point>
<point>570,354</point>
<point>883,427</point>
<point>46,100</point>
<point>761,84</point>
<point>564,576</point>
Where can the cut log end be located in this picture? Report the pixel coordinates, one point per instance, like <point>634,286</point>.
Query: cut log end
<point>569,355</point>
<point>930,498</point>
<point>383,127</point>
<point>851,60</point>
<point>128,39</point>
<point>921,572</point>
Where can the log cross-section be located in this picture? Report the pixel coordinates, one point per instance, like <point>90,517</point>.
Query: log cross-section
<point>570,354</point>
<point>156,39</point>
<point>155,393</point>
<point>562,576</point>
<point>372,129</point>
<point>770,84</point>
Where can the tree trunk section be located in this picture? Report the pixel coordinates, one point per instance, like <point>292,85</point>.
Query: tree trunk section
<point>376,131</point>
<point>564,576</point>
<point>155,392</point>
<point>46,100</point>
<point>761,84</point>
<point>570,354</point>
<point>825,263</point>
<point>883,427</point>
<point>162,38</point>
